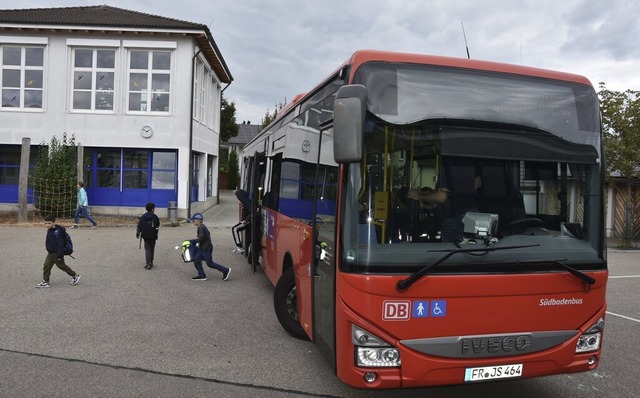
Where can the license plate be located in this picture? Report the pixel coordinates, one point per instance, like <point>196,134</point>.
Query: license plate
<point>493,372</point>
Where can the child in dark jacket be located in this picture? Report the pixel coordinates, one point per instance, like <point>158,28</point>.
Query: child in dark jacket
<point>205,250</point>
<point>148,225</point>
<point>55,253</point>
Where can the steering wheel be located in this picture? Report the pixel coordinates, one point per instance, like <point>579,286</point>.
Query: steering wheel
<point>520,225</point>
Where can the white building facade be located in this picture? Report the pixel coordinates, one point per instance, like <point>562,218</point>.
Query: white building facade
<point>140,93</point>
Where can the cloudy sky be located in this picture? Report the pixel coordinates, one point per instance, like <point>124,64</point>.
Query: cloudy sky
<point>276,49</point>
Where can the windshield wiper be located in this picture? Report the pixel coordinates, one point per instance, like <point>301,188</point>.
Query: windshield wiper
<point>405,284</point>
<point>586,279</point>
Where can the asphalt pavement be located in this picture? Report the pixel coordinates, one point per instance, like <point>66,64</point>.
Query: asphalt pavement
<point>125,331</point>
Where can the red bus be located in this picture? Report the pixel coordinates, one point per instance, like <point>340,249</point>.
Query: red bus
<point>429,220</point>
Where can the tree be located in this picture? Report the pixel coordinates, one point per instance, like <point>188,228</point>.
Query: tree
<point>228,126</point>
<point>234,170</point>
<point>621,128</point>
<point>270,117</point>
<point>54,177</point>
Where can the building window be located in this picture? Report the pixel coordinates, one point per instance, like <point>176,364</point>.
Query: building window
<point>93,79</point>
<point>22,72</point>
<point>10,157</point>
<point>206,95</point>
<point>149,81</point>
<point>108,168</point>
<point>163,173</point>
<point>136,168</point>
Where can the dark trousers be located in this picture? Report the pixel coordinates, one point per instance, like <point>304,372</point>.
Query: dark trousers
<point>149,249</point>
<point>207,256</point>
<point>52,258</point>
<point>84,212</point>
<point>235,231</point>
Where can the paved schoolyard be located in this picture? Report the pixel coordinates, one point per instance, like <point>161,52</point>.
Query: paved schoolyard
<point>123,315</point>
<point>125,331</point>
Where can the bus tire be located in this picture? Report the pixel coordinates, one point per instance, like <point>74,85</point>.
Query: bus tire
<point>285,303</point>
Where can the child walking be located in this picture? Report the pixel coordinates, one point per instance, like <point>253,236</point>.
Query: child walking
<point>54,244</point>
<point>147,229</point>
<point>83,207</point>
<point>205,251</point>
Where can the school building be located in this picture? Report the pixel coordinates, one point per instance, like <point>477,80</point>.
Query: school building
<point>141,93</point>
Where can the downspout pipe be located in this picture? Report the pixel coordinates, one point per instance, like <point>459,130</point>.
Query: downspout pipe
<point>193,78</point>
<point>218,186</point>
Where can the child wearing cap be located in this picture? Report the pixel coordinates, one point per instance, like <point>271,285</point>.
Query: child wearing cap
<point>205,251</point>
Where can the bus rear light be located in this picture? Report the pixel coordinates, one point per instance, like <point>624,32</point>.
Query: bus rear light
<point>372,351</point>
<point>590,341</point>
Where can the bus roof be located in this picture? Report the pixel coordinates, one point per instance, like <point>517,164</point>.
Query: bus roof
<point>363,56</point>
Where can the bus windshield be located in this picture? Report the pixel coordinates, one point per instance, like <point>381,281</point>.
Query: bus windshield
<point>406,94</point>
<point>454,158</point>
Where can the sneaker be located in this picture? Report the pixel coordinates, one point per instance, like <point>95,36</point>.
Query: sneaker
<point>199,278</point>
<point>225,275</point>
<point>239,250</point>
<point>95,226</point>
<point>75,226</point>
<point>75,279</point>
<point>43,284</point>
<point>147,266</point>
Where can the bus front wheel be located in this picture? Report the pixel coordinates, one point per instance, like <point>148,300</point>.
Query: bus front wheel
<point>285,303</point>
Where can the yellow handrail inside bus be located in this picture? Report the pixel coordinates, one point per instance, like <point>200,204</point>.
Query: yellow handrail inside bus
<point>364,176</point>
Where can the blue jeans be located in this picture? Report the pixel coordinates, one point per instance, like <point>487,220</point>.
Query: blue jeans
<point>84,210</point>
<point>207,256</point>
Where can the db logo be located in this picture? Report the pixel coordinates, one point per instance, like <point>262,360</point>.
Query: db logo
<point>396,310</point>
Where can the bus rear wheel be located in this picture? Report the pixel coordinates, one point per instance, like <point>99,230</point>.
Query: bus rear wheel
<point>285,303</point>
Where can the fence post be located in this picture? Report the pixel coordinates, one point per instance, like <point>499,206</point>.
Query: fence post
<point>23,179</point>
<point>80,166</point>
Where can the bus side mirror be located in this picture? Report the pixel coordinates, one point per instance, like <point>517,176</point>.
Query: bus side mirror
<point>348,123</point>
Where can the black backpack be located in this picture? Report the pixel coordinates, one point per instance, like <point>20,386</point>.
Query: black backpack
<point>68,245</point>
<point>147,228</point>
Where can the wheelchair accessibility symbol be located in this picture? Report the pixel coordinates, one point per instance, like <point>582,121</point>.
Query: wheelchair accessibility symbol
<point>425,309</point>
<point>438,308</point>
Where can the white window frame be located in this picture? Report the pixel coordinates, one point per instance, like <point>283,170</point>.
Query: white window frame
<point>150,47</point>
<point>94,71</point>
<point>197,83</point>
<point>24,43</point>
<point>206,98</point>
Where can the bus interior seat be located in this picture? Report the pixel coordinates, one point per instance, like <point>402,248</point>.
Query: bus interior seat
<point>498,195</point>
<point>458,175</point>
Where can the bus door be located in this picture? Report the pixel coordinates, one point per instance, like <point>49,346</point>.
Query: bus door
<point>323,263</point>
<point>257,170</point>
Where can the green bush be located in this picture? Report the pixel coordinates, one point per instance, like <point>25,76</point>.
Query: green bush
<point>54,177</point>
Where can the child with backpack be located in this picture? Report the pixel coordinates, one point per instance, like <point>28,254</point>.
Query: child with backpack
<point>55,243</point>
<point>147,230</point>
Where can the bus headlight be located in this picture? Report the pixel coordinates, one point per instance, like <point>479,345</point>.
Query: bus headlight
<point>372,351</point>
<point>590,341</point>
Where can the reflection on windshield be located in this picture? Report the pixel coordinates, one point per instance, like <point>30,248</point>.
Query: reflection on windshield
<point>405,94</point>
<point>423,188</point>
